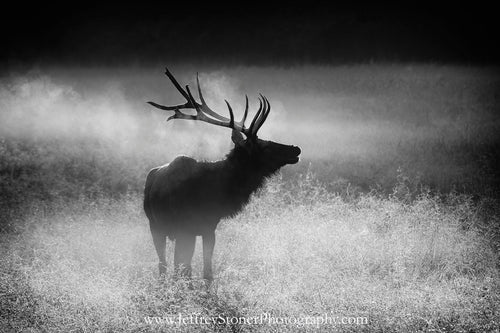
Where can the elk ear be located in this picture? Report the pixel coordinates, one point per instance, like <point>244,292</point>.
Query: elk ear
<point>237,137</point>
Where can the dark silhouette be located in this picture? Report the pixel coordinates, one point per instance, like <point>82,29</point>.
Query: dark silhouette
<point>187,198</point>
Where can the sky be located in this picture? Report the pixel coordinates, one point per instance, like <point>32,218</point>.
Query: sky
<point>237,34</point>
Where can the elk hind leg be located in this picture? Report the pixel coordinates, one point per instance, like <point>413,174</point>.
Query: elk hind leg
<point>208,251</point>
<point>160,241</point>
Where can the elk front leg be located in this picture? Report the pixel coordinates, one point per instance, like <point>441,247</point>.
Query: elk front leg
<point>208,251</point>
<point>184,249</point>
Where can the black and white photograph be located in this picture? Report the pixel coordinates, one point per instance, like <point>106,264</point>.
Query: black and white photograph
<point>249,167</point>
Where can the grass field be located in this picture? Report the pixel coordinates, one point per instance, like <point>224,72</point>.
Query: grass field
<point>392,214</point>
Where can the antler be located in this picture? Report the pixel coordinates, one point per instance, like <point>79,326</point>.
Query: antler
<point>204,113</point>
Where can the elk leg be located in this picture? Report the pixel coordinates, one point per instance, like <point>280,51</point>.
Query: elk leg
<point>184,248</point>
<point>160,240</point>
<point>208,251</point>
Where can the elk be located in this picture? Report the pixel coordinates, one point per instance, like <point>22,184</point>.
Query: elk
<point>188,198</point>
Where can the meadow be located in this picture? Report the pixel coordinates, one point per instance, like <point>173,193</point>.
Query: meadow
<point>392,214</point>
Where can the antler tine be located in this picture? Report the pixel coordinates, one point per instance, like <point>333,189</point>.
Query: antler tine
<point>231,115</point>
<point>176,84</point>
<point>252,124</point>
<point>166,108</point>
<point>180,115</point>
<point>191,100</point>
<point>204,105</point>
<point>199,89</point>
<point>257,121</point>
<point>264,115</point>
<point>242,122</point>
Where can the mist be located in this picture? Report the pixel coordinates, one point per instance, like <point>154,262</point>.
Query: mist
<point>367,114</point>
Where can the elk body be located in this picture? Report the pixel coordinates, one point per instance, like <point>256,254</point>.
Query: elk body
<point>188,198</point>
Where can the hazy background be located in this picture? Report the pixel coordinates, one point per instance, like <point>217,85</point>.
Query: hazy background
<point>358,125</point>
<point>392,212</point>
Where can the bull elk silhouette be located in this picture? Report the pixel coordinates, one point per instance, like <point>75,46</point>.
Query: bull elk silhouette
<point>188,198</point>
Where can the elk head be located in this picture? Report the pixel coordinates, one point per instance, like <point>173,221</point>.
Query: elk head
<point>251,150</point>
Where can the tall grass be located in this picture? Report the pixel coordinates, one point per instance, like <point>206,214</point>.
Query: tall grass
<point>424,265</point>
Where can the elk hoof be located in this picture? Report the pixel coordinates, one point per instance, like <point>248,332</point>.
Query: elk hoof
<point>162,267</point>
<point>208,280</point>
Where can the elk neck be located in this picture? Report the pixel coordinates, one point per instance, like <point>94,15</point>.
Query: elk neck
<point>244,174</point>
